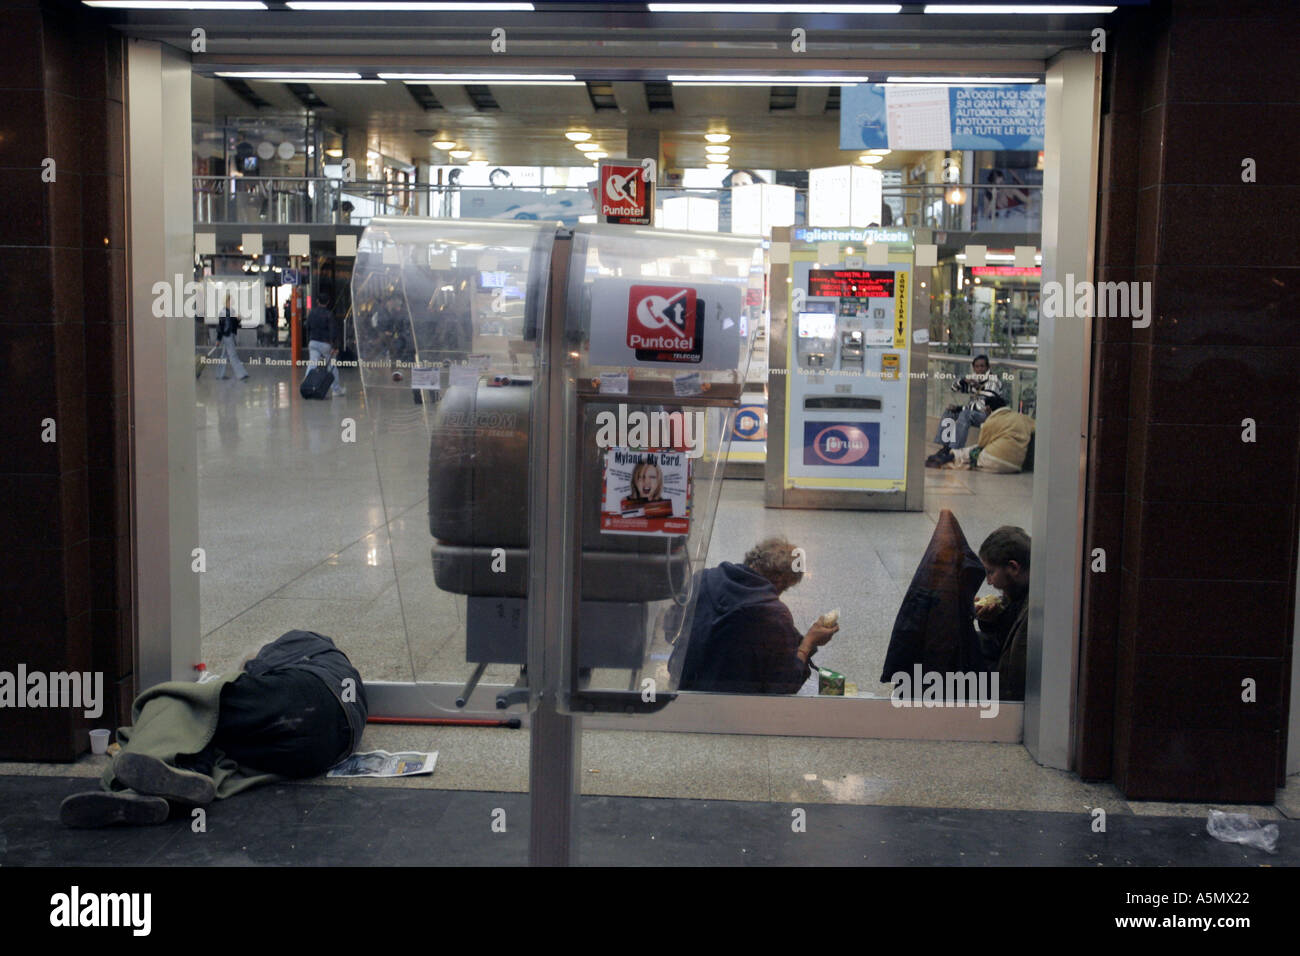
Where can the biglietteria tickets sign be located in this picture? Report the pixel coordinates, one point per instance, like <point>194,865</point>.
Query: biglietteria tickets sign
<point>625,196</point>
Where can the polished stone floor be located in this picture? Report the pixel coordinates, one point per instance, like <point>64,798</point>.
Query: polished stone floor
<point>313,825</point>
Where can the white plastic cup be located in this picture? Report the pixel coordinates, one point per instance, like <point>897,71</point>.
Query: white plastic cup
<point>99,741</point>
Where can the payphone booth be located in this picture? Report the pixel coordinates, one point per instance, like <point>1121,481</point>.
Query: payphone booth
<point>847,368</point>
<point>551,413</point>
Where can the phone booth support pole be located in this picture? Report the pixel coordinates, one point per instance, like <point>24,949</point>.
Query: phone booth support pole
<point>555,746</point>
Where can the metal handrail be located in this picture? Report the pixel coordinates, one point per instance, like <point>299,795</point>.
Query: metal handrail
<point>321,199</point>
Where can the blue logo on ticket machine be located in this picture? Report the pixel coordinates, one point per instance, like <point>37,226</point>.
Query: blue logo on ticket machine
<point>841,443</point>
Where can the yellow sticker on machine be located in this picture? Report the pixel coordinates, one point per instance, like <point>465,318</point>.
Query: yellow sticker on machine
<point>900,310</point>
<point>889,367</point>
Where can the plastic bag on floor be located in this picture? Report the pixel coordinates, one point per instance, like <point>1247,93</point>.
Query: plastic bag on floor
<point>1242,828</point>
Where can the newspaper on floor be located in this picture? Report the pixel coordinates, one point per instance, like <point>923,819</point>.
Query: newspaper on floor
<point>380,763</point>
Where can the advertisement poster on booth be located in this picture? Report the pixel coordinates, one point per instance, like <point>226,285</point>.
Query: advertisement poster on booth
<point>646,492</point>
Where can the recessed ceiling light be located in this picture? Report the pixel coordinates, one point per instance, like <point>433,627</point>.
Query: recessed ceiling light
<point>461,153</point>
<point>713,149</point>
<point>577,136</point>
<point>444,144</point>
<point>717,137</point>
<point>586,147</point>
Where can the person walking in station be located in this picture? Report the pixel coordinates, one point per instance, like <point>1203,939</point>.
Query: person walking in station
<point>227,329</point>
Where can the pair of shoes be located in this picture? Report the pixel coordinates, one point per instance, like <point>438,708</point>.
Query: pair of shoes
<point>341,391</point>
<point>97,808</point>
<point>150,776</point>
<point>243,378</point>
<point>940,457</point>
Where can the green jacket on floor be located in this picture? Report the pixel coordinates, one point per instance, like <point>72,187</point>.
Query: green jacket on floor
<point>180,717</point>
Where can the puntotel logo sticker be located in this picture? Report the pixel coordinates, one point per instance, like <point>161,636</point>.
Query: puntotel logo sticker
<point>837,443</point>
<point>662,319</point>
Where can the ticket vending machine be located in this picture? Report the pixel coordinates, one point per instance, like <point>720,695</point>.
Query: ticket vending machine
<point>847,373</point>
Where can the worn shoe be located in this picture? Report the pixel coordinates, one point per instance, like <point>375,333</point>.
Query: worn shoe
<point>96,808</point>
<point>149,775</point>
<point>940,457</point>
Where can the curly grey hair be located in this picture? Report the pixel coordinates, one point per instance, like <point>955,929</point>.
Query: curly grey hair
<point>774,558</point>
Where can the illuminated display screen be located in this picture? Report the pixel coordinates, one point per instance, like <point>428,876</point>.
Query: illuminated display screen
<point>816,325</point>
<point>858,283</point>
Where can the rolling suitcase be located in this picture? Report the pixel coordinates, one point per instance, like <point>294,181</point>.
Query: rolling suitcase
<point>317,383</point>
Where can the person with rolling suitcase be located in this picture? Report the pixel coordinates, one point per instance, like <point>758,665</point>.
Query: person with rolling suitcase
<point>323,340</point>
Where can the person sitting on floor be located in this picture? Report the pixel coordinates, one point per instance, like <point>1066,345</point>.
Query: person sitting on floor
<point>1003,443</point>
<point>1004,625</point>
<point>742,638</point>
<point>294,710</point>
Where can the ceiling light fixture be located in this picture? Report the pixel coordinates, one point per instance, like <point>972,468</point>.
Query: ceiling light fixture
<point>704,79</point>
<point>176,4</point>
<point>870,160</point>
<point>879,152</point>
<point>288,75</point>
<point>963,80</point>
<point>461,153</point>
<point>444,144</point>
<point>325,6</point>
<point>577,136</point>
<point>460,79</point>
<point>597,154</point>
<point>334,153</point>
<point>714,149</point>
<point>717,137</point>
<point>586,147</point>
<point>716,165</point>
<point>477,162</point>
<point>1025,8</point>
<point>774,7</point>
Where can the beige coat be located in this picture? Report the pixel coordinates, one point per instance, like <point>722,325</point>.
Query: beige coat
<point>1004,436</point>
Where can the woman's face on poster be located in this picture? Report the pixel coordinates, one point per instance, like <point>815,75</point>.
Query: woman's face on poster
<point>647,482</point>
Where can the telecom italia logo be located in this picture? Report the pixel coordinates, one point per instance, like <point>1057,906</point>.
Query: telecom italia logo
<point>661,317</point>
<point>58,689</point>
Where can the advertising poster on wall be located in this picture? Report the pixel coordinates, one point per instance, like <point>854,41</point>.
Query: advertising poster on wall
<point>646,492</point>
<point>900,116</point>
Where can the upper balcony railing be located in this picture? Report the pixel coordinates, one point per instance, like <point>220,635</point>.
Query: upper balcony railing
<point>255,200</point>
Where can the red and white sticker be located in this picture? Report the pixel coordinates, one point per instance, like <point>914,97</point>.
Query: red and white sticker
<point>661,318</point>
<point>624,194</point>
